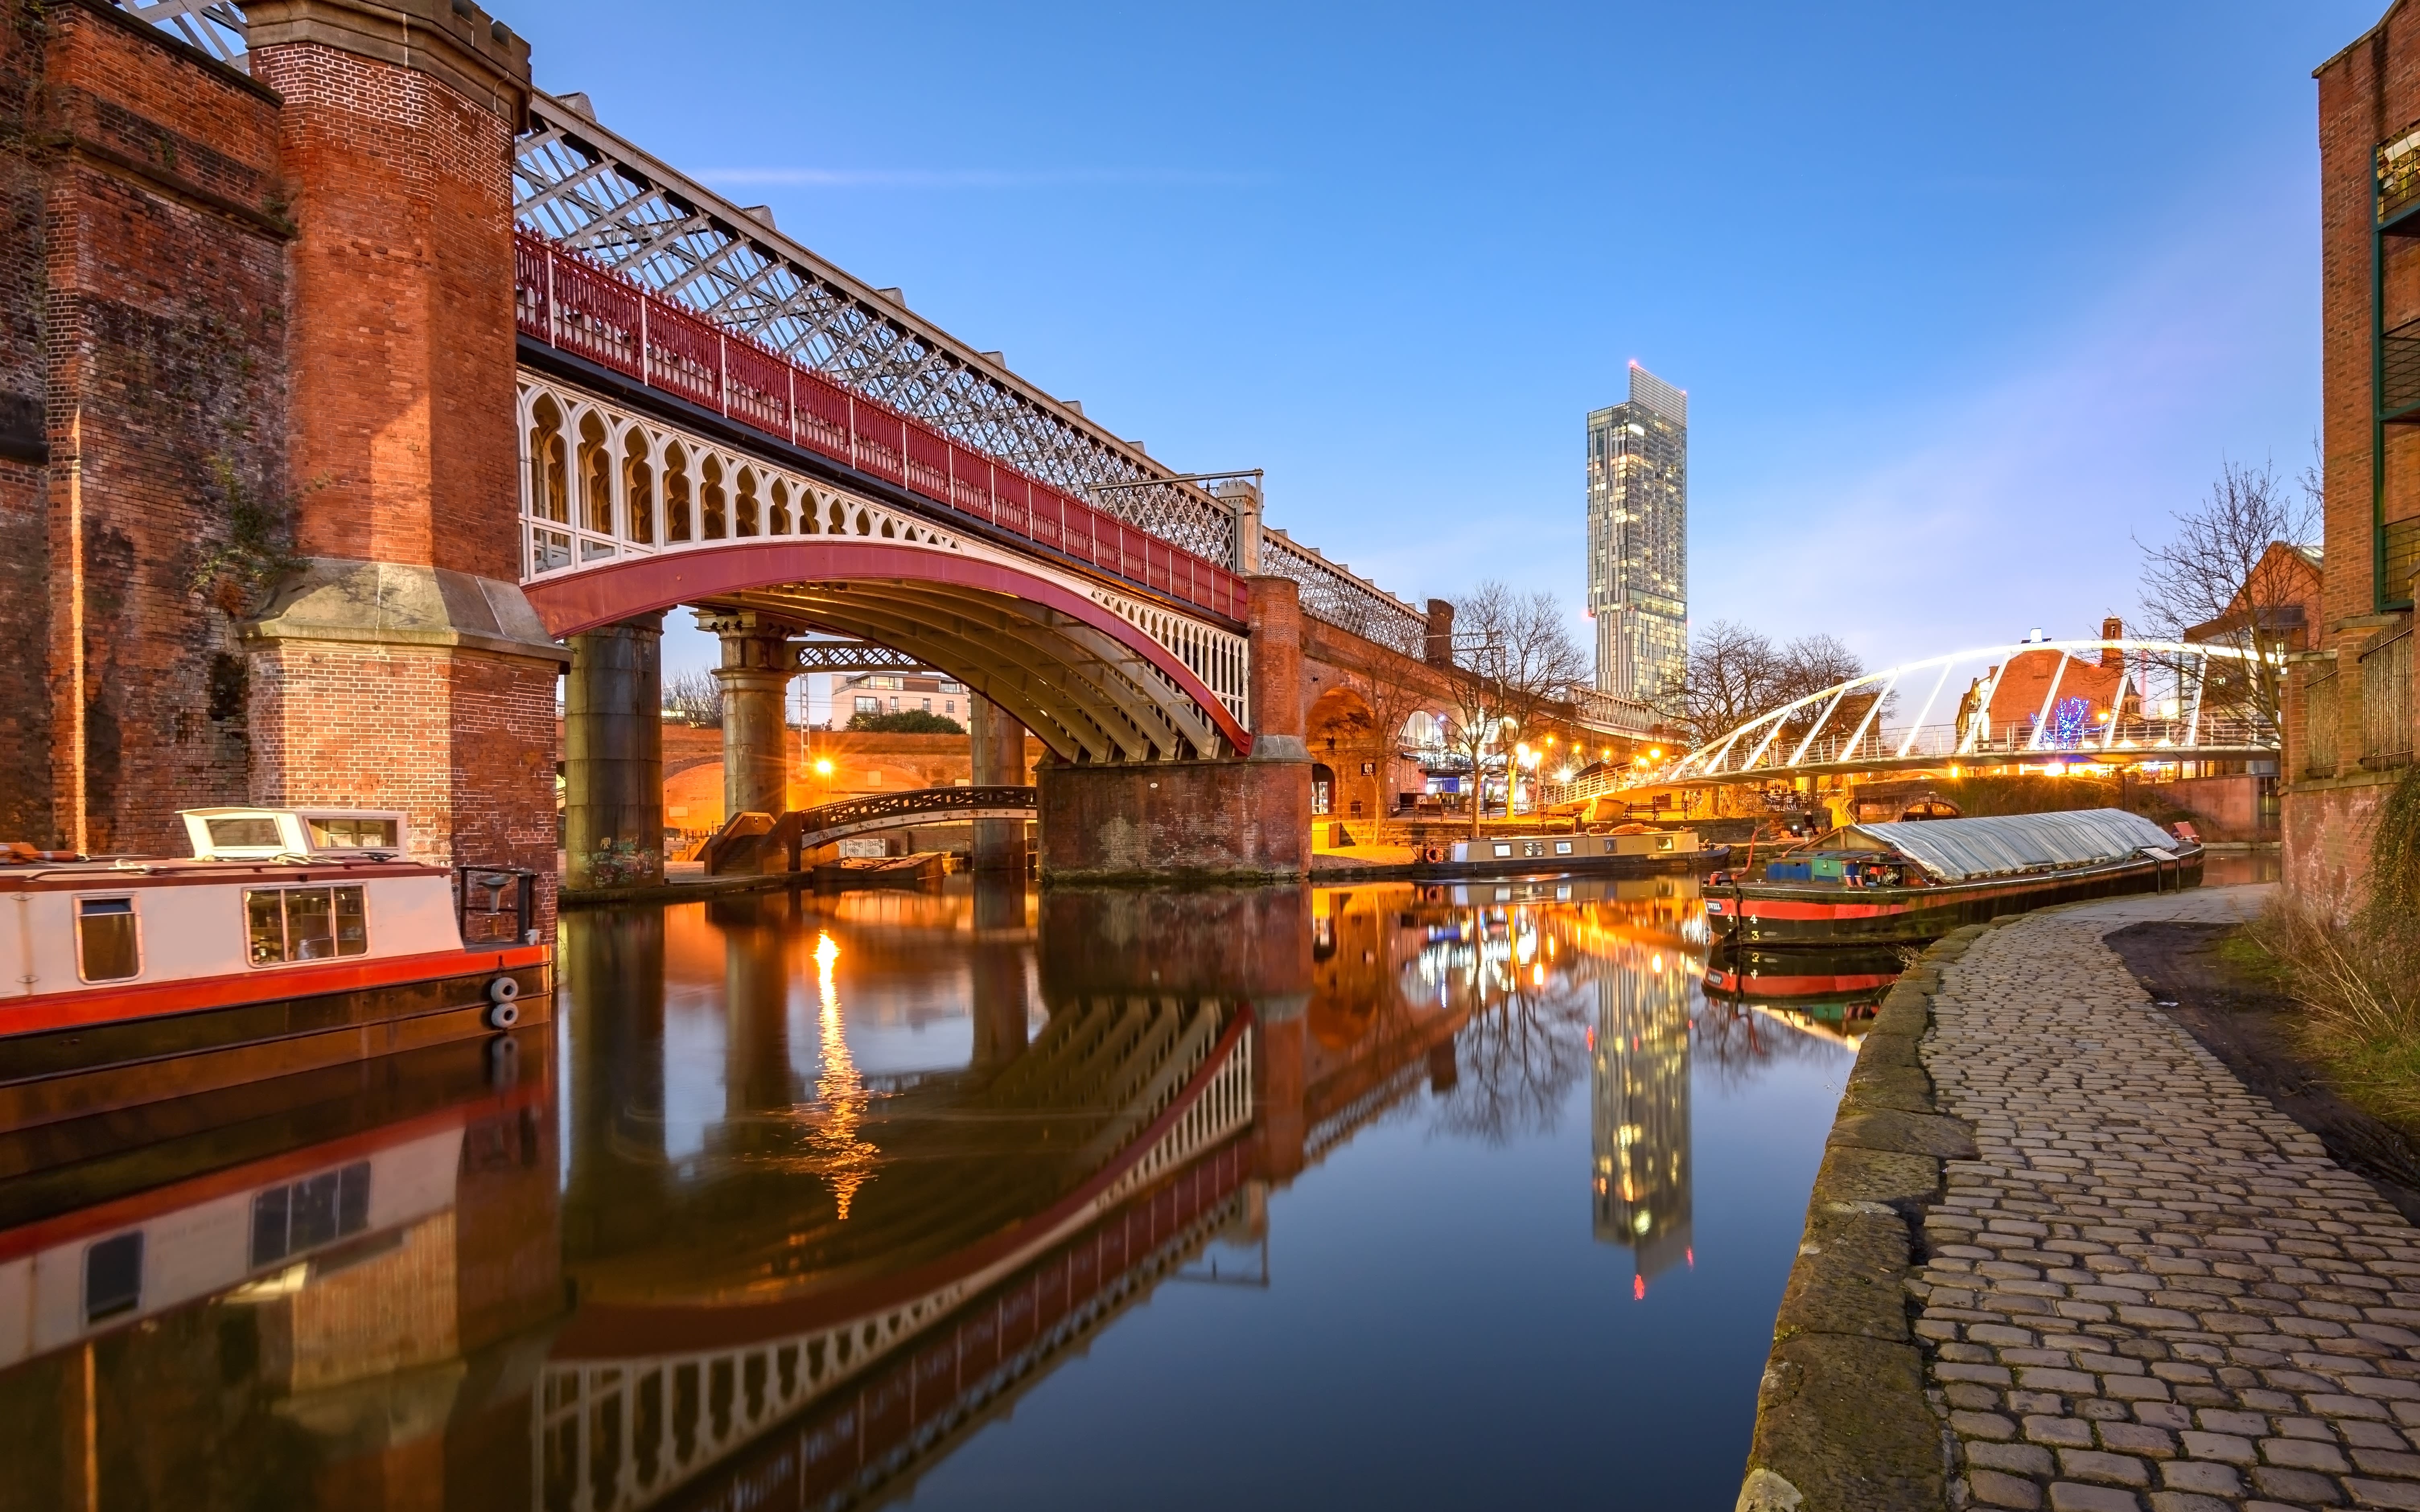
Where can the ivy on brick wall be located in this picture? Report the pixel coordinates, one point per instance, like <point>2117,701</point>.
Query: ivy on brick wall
<point>258,546</point>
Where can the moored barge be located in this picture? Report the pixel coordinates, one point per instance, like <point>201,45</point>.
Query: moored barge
<point>1917,880</point>
<point>292,939</point>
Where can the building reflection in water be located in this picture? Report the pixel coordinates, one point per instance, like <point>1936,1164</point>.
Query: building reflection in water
<point>1640,1104</point>
<point>372,1289</point>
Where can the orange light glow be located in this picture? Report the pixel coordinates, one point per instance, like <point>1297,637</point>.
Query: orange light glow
<point>1638,1289</point>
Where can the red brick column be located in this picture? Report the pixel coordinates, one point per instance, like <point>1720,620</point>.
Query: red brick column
<point>401,666</point>
<point>1276,627</point>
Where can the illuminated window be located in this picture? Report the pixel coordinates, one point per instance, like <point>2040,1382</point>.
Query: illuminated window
<point>107,946</point>
<point>285,924</point>
<point>868,705</point>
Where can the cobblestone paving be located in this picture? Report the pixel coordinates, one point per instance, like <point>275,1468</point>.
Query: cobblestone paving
<point>2151,1290</point>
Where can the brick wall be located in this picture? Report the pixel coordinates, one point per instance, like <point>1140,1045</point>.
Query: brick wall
<point>402,357</point>
<point>458,740</point>
<point>145,281</point>
<point>2367,93</point>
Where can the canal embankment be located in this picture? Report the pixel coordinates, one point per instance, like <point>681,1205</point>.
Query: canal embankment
<point>2134,1283</point>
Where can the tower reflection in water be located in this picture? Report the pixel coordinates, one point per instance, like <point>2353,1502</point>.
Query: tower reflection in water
<point>1641,1114</point>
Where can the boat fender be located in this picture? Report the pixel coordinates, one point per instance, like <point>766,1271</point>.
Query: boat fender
<point>503,1015</point>
<point>504,990</point>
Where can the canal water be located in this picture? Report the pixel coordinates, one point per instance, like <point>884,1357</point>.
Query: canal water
<point>1404,1195</point>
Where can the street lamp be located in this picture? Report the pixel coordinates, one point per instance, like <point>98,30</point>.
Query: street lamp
<point>824,770</point>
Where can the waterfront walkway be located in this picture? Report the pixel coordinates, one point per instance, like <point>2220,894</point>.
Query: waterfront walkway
<point>2151,1289</point>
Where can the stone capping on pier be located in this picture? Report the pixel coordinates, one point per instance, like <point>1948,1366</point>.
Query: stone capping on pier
<point>1842,1422</point>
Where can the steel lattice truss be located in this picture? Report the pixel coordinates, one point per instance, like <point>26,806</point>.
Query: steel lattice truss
<point>600,195</point>
<point>604,197</point>
<point>1332,595</point>
<point>214,26</point>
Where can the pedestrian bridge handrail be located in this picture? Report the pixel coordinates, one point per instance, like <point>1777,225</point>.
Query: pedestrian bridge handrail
<point>745,838</point>
<point>1842,727</point>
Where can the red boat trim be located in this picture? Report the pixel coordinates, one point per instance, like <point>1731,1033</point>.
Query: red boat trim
<point>122,1212</point>
<point>1798,986</point>
<point>610,1330</point>
<point>37,1012</point>
<point>222,873</point>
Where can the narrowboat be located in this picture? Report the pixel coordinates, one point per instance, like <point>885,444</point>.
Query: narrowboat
<point>1835,990</point>
<point>1917,880</point>
<point>1634,848</point>
<point>292,939</point>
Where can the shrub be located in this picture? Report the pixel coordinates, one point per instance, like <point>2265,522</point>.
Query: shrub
<point>907,723</point>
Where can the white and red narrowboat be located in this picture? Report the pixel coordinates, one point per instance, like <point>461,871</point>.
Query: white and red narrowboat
<point>293,939</point>
<point>1917,880</point>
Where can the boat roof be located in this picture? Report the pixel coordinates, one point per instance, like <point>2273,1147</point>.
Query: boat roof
<point>1957,850</point>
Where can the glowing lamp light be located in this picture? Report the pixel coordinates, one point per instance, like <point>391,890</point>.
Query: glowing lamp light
<point>824,767</point>
<point>1638,1289</point>
<point>1656,752</point>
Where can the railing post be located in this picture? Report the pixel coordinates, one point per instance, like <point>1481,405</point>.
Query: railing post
<point>647,361</point>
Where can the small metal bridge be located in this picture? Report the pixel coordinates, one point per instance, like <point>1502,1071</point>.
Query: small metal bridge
<point>745,838</point>
<point>2108,701</point>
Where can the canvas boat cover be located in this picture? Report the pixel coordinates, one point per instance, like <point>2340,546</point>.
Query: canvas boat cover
<point>1959,850</point>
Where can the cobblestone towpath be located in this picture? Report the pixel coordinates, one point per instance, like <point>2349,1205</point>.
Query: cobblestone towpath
<point>2151,1290</point>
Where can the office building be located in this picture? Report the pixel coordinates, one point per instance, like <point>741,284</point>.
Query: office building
<point>1639,539</point>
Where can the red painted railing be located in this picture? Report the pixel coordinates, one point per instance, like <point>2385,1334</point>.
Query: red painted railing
<point>572,304</point>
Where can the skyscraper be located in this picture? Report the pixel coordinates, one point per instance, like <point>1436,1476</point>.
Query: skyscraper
<point>1638,538</point>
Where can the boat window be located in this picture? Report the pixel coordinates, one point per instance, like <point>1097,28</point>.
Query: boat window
<point>226,834</point>
<point>107,948</point>
<point>305,1214</point>
<point>352,834</point>
<point>283,924</point>
<point>112,1276</point>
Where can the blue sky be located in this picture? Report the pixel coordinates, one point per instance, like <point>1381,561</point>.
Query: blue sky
<point>1963,296</point>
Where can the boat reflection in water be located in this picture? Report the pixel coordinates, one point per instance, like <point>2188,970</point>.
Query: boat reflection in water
<point>1833,990</point>
<point>842,1178</point>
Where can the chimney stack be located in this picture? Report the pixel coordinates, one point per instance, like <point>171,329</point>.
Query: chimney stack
<point>2113,628</point>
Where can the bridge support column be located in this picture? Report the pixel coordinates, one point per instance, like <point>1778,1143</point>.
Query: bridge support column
<point>613,756</point>
<point>758,665</point>
<point>999,762</point>
<point>1199,820</point>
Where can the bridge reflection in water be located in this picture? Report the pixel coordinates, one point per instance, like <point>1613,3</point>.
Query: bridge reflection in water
<point>842,1179</point>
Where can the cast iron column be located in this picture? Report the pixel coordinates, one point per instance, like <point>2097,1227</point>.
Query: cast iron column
<point>999,762</point>
<point>613,755</point>
<point>758,661</point>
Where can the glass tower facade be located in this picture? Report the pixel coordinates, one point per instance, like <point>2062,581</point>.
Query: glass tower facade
<point>1638,538</point>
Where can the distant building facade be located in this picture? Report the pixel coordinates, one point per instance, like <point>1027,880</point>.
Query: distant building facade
<point>1638,538</point>
<point>895,693</point>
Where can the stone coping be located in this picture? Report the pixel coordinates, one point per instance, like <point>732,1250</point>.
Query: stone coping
<point>1843,1421</point>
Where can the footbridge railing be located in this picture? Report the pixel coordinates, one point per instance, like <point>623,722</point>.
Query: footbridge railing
<point>745,838</point>
<point>2116,701</point>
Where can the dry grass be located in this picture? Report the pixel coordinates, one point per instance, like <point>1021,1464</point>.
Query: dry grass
<point>2359,982</point>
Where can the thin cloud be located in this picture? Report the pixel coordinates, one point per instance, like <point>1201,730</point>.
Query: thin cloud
<point>975,178</point>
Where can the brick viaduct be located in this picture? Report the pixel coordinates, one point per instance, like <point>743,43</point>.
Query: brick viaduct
<point>257,356</point>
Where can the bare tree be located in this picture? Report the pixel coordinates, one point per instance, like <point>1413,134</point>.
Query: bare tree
<point>1513,666</point>
<point>1391,690</point>
<point>2229,575</point>
<point>695,698</point>
<point>1734,675</point>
